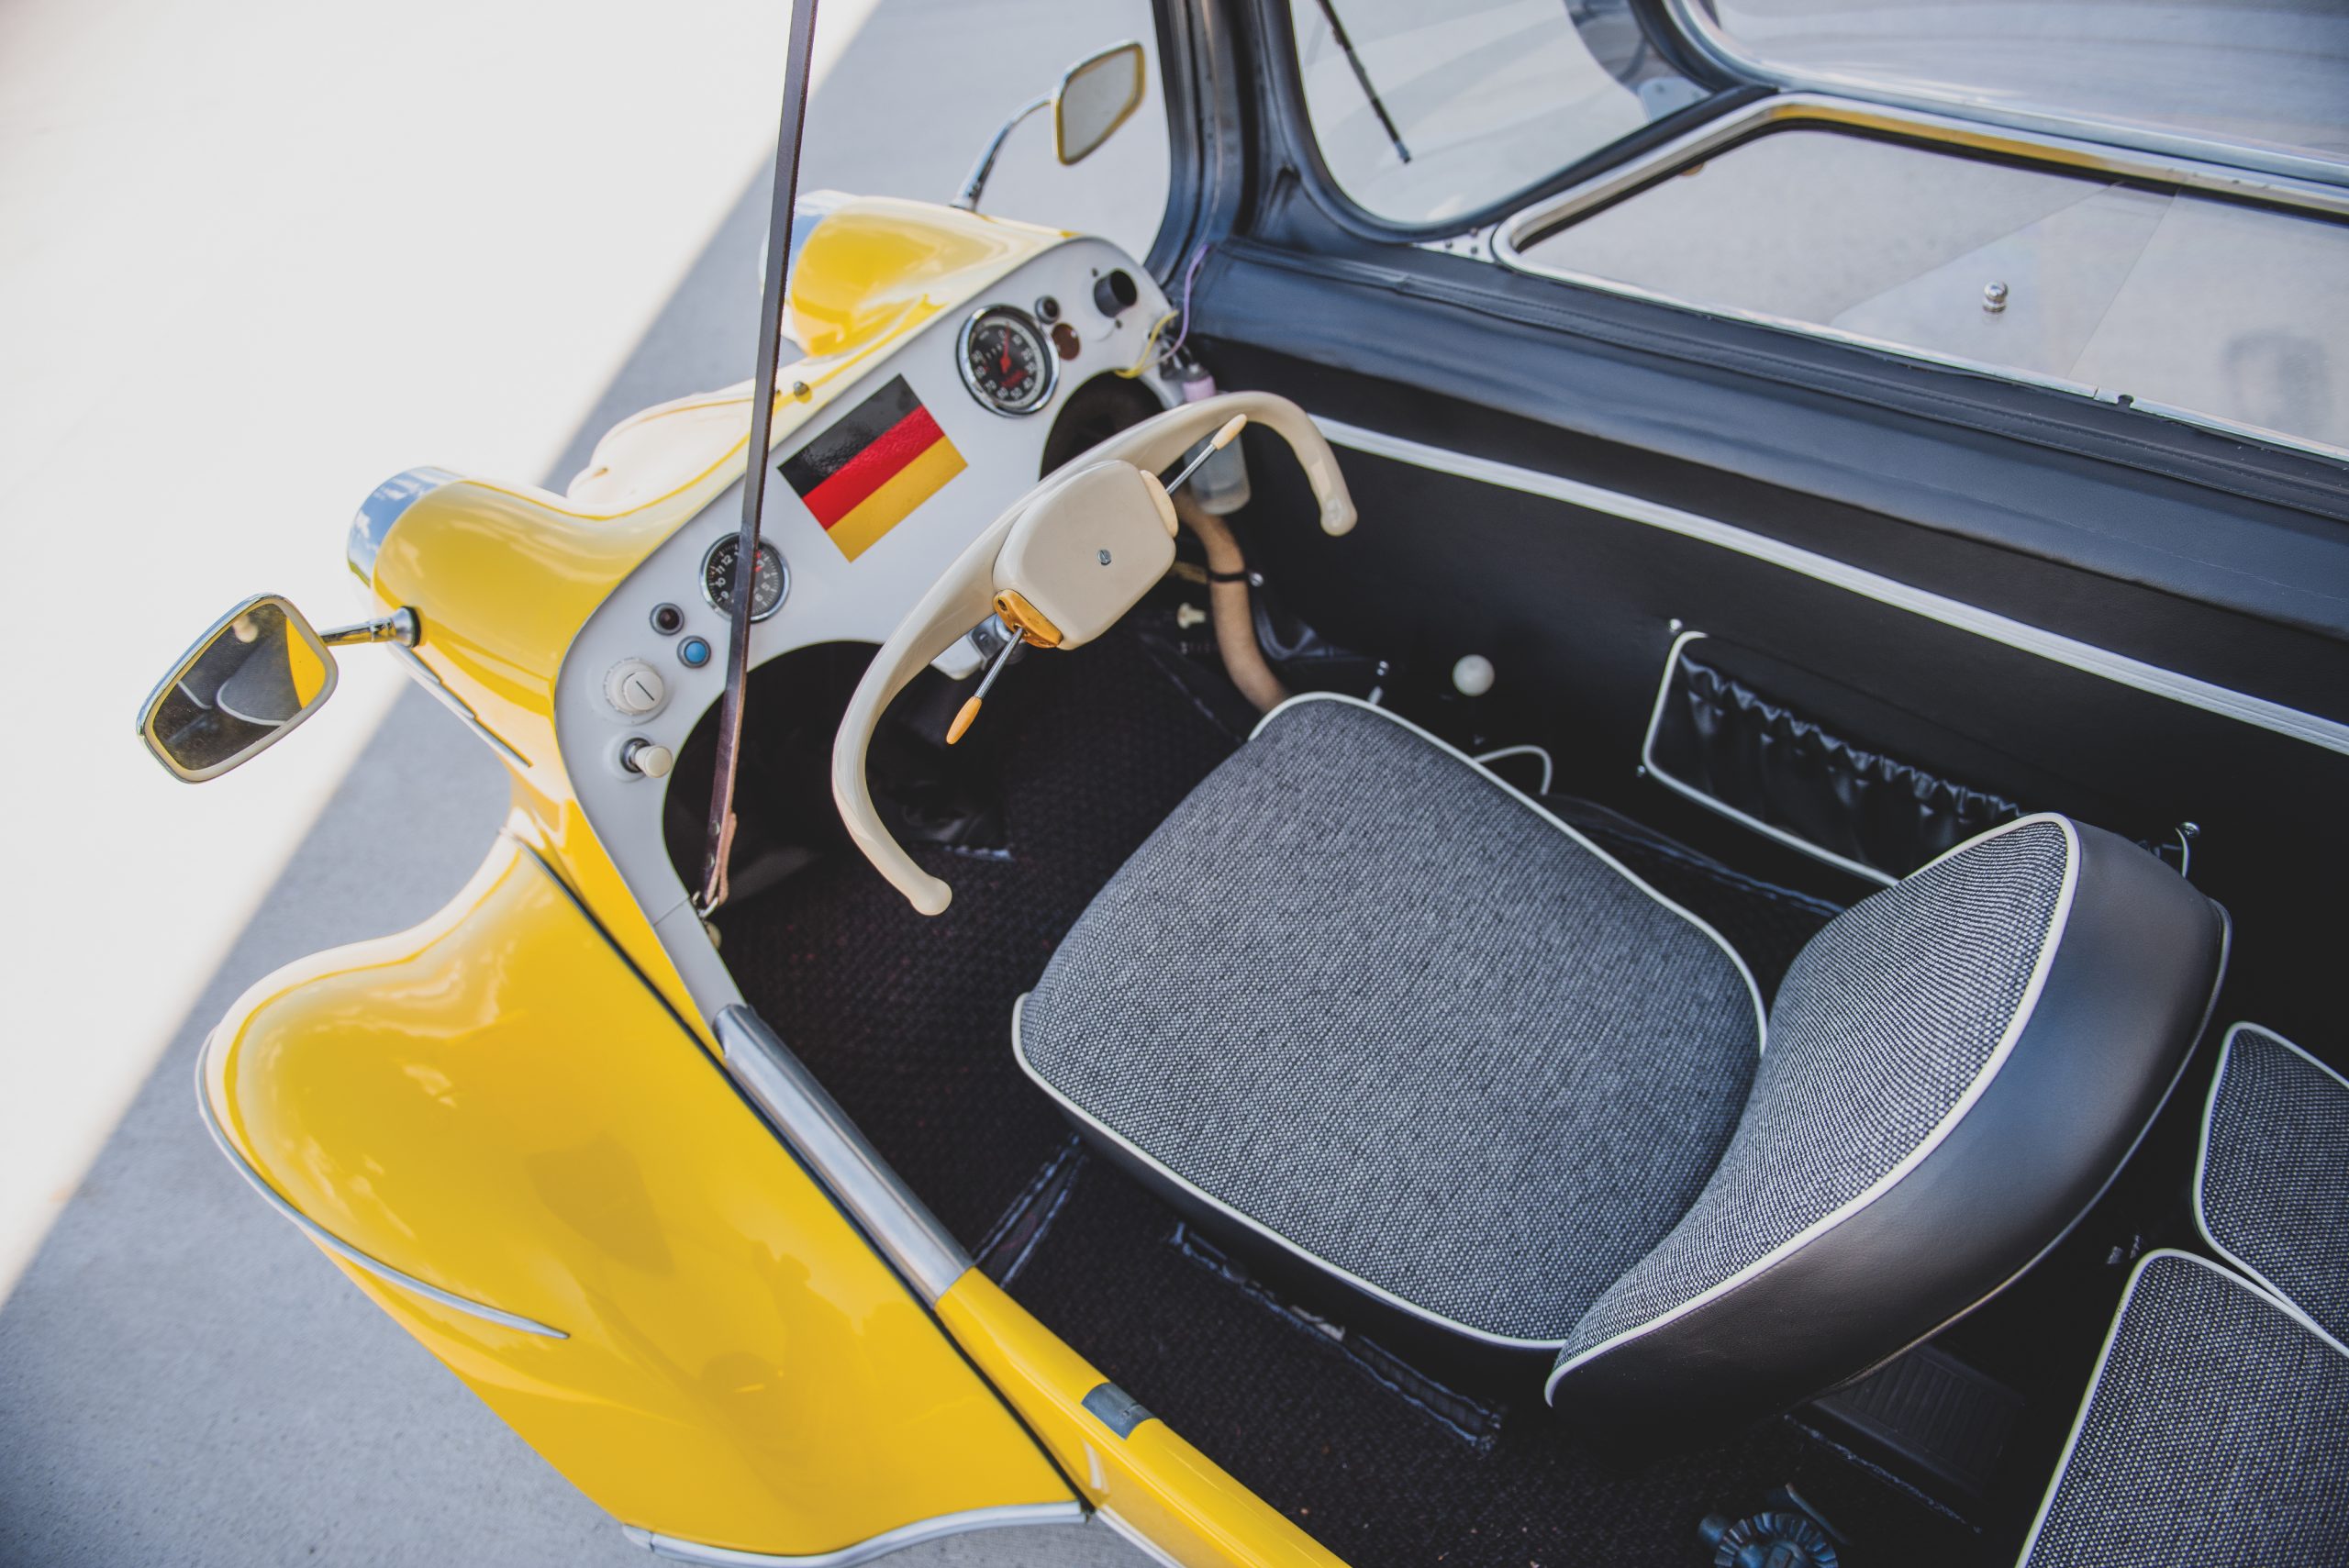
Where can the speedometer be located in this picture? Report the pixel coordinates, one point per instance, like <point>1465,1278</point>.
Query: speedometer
<point>1006,362</point>
<point>768,584</point>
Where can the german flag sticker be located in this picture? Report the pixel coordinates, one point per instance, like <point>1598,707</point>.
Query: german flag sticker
<point>878,462</point>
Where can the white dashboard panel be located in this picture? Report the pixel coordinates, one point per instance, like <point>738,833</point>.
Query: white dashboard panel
<point>830,597</point>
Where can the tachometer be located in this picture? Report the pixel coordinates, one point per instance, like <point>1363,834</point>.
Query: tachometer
<point>1006,362</point>
<point>768,584</point>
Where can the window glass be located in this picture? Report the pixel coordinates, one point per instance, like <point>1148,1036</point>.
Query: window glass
<point>2271,74</point>
<point>1429,109</point>
<point>2213,307</point>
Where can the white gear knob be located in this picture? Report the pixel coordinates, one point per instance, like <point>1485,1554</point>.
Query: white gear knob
<point>1472,676</point>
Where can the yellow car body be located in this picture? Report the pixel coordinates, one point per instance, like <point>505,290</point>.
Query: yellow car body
<point>512,1128</point>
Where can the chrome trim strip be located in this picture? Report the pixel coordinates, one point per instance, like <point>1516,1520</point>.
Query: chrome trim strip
<point>1132,1536</point>
<point>431,681</point>
<point>837,1153</point>
<point>342,1249</point>
<point>2086,657</point>
<point>1529,225</point>
<point>383,506</point>
<point>1714,802</point>
<point>1514,234</point>
<point>1006,1517</point>
<point>1707,36</point>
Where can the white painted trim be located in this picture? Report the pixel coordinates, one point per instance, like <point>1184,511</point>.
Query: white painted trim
<point>1006,1517</point>
<point>1714,802</point>
<point>1020,1054</point>
<point>2120,669</point>
<point>2104,1357</point>
<point>2202,1154</point>
<point>1761,1014</point>
<point>344,1249</point>
<point>2048,945</point>
<point>1132,1536</point>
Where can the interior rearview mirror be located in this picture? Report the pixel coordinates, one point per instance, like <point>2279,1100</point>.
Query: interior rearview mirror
<point>1099,94</point>
<point>255,675</point>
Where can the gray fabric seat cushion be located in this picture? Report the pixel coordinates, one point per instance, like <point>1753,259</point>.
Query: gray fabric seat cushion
<point>2216,1432</point>
<point>1887,1021</point>
<point>2273,1191</point>
<point>1384,1011</point>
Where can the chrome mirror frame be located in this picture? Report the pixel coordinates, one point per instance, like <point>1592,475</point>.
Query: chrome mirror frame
<point>967,199</point>
<point>1100,59</point>
<point>296,623</point>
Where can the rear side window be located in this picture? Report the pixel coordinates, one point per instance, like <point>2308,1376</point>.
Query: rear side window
<point>1429,110</point>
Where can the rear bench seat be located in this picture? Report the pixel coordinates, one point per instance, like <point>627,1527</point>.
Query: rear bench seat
<point>2216,1428</point>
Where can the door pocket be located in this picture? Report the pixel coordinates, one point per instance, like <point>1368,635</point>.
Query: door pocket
<point>1800,758</point>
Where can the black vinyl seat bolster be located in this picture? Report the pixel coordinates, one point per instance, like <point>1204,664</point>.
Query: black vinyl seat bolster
<point>2127,992</point>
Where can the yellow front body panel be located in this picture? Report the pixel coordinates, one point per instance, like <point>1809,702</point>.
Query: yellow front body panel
<point>517,1103</point>
<point>495,1104</point>
<point>1151,1480</point>
<point>504,576</point>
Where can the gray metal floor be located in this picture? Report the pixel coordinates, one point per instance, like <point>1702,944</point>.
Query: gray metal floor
<point>183,1379</point>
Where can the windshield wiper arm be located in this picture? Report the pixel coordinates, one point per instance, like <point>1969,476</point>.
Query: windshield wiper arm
<point>1338,32</point>
<point>720,842</point>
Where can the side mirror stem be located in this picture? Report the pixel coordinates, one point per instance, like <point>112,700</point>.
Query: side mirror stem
<point>401,626</point>
<point>967,199</point>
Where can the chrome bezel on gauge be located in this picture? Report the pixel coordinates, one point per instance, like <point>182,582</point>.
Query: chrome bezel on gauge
<point>1048,378</point>
<point>710,598</point>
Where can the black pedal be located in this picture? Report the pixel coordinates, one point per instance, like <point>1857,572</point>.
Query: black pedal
<point>1933,1418</point>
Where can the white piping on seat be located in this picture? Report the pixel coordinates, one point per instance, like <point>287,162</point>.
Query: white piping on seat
<point>1761,1015</point>
<point>2202,1157</point>
<point>1020,1054</point>
<point>2041,965</point>
<point>2104,1357</point>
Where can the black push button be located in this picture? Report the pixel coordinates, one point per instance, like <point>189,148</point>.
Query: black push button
<point>1115,294</point>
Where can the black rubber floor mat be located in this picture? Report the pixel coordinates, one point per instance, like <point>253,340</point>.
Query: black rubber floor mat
<point>907,1018</point>
<point>1316,1431</point>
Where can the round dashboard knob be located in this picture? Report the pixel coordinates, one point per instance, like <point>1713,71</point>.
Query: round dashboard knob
<point>634,688</point>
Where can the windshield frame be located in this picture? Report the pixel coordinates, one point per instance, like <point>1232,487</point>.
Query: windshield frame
<point>1705,37</point>
<point>1293,125</point>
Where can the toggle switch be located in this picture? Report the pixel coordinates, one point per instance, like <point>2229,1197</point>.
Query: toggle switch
<point>642,756</point>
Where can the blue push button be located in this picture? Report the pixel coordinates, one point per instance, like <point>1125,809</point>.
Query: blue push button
<point>694,652</point>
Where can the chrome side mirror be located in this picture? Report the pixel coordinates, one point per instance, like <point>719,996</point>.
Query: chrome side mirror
<point>1099,94</point>
<point>1096,96</point>
<point>255,675</point>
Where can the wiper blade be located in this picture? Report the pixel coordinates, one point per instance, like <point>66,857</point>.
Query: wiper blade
<point>720,841</point>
